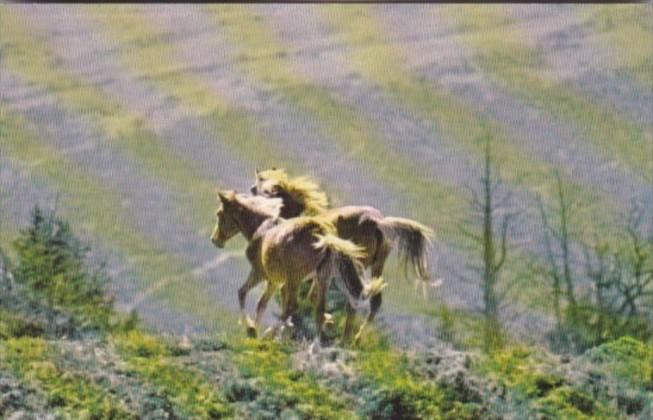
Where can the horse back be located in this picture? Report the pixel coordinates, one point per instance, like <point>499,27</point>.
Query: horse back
<point>287,249</point>
<point>359,224</point>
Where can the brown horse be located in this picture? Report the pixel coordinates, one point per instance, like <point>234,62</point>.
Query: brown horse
<point>285,252</point>
<point>363,225</point>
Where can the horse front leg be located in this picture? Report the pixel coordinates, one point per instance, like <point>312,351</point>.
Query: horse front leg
<point>253,280</point>
<point>260,307</point>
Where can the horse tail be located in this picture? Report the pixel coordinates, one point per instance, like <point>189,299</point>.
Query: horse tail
<point>414,243</point>
<point>339,246</point>
<point>343,259</point>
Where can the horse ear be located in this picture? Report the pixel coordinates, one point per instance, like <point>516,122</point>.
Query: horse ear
<point>226,196</point>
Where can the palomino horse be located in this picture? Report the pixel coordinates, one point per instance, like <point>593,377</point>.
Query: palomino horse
<point>285,252</point>
<point>363,225</point>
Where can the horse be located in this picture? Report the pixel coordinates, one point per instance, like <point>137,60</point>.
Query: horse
<point>285,252</point>
<point>364,225</point>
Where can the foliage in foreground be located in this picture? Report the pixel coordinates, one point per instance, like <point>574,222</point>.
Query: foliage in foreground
<point>608,381</point>
<point>69,394</point>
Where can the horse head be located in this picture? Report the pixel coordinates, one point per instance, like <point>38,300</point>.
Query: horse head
<point>226,226</point>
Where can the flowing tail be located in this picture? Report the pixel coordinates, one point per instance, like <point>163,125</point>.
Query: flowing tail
<point>343,259</point>
<point>414,243</point>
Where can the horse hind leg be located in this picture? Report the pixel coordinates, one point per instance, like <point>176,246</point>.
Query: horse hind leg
<point>289,306</point>
<point>377,270</point>
<point>376,300</point>
<point>375,305</point>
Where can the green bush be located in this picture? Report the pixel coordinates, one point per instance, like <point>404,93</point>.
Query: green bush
<point>285,391</point>
<point>590,326</point>
<point>52,272</point>
<point>626,359</point>
<point>390,391</point>
<point>153,360</point>
<point>16,325</point>
<point>69,395</point>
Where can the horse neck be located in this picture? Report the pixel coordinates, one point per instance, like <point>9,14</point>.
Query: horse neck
<point>291,208</point>
<point>250,221</point>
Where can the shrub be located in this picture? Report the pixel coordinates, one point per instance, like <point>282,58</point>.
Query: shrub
<point>626,359</point>
<point>68,394</point>
<point>152,359</point>
<point>392,392</point>
<point>566,402</point>
<point>590,326</point>
<point>286,392</point>
<point>53,272</point>
<point>15,325</point>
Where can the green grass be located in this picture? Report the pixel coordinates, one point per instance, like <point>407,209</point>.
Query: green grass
<point>28,55</point>
<point>626,31</point>
<point>265,59</point>
<point>627,359</point>
<point>96,210</point>
<point>146,53</point>
<point>530,376</point>
<point>238,131</point>
<point>518,68</point>
<point>69,394</point>
<point>152,360</point>
<point>396,392</point>
<point>462,126</point>
<point>271,363</point>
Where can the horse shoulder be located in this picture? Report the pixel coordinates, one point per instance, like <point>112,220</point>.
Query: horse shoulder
<point>253,251</point>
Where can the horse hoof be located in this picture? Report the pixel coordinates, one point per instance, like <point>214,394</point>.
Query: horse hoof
<point>328,319</point>
<point>249,322</point>
<point>269,333</point>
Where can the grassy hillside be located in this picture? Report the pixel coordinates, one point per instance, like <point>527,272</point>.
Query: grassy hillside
<point>66,352</point>
<point>137,375</point>
<point>133,115</point>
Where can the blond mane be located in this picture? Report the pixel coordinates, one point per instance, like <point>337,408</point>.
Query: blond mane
<point>302,189</point>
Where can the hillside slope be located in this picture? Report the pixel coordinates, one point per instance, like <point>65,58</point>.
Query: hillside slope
<point>136,375</point>
<point>133,115</point>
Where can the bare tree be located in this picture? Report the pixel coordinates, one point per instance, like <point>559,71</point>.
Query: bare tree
<point>493,222</point>
<point>637,283</point>
<point>622,279</point>
<point>559,258</point>
<point>5,274</point>
<point>601,269</point>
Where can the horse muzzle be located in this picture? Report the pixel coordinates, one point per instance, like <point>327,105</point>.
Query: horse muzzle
<point>218,242</point>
